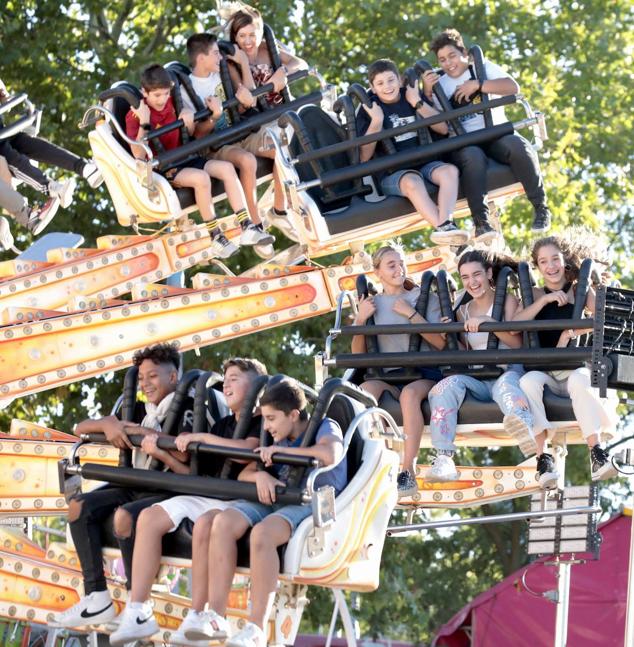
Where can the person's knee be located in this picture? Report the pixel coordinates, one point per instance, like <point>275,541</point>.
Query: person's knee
<point>530,385</point>
<point>410,183</point>
<point>260,538</point>
<point>224,526</point>
<point>202,527</point>
<point>74,509</point>
<point>446,174</point>
<point>247,164</point>
<point>450,384</point>
<point>578,382</point>
<point>201,181</point>
<point>122,523</point>
<point>148,518</point>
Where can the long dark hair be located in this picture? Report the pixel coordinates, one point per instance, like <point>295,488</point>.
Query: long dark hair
<point>488,260</point>
<point>242,18</point>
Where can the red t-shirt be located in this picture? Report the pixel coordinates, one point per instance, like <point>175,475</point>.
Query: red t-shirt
<point>157,119</point>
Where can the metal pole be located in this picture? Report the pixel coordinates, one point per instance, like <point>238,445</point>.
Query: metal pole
<point>563,603</point>
<point>333,621</point>
<point>629,617</point>
<point>346,618</point>
<point>496,518</point>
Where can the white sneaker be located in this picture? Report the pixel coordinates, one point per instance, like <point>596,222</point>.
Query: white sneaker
<point>250,636</point>
<point>94,609</point>
<point>6,237</point>
<point>209,625</point>
<point>520,431</point>
<point>442,469</point>
<point>222,247</point>
<point>253,235</point>
<point>192,620</point>
<point>449,234</point>
<point>282,222</point>
<point>92,175</point>
<point>39,217</point>
<point>137,621</point>
<point>63,190</point>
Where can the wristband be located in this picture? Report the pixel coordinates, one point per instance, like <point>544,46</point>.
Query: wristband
<point>480,86</point>
<point>146,126</point>
<point>419,105</point>
<point>412,315</point>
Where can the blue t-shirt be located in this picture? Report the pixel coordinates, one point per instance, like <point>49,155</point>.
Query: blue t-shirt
<point>337,477</point>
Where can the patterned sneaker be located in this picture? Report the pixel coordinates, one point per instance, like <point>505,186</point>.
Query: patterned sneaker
<point>137,621</point>
<point>484,233</point>
<point>520,431</point>
<point>41,216</point>
<point>222,247</point>
<point>6,237</point>
<point>406,484</point>
<point>250,636</point>
<point>254,235</point>
<point>63,190</point>
<point>541,220</point>
<point>209,625</point>
<point>449,234</point>
<point>93,609</point>
<point>547,475</point>
<point>192,620</point>
<point>92,175</point>
<point>442,469</point>
<point>601,464</point>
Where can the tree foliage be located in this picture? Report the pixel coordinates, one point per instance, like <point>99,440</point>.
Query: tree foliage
<point>574,62</point>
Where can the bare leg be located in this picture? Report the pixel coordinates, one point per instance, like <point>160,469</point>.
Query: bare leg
<point>227,528</point>
<point>246,165</point>
<point>446,177</point>
<point>200,558</point>
<point>152,525</point>
<point>200,182</point>
<point>225,172</point>
<point>279,199</point>
<point>376,387</point>
<point>266,536</point>
<point>5,173</point>
<point>540,441</point>
<point>411,397</point>
<point>413,188</point>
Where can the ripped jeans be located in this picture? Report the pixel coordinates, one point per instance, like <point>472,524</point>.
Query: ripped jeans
<point>446,397</point>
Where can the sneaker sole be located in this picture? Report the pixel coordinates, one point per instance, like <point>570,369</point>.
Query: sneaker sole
<point>195,634</point>
<point>487,237</point>
<point>442,479</point>
<point>548,481</point>
<point>540,230</point>
<point>44,222</point>
<point>404,494</point>
<point>101,619</point>
<point>223,253</point>
<point>264,240</point>
<point>518,429</point>
<point>449,238</point>
<point>142,631</point>
<point>603,474</point>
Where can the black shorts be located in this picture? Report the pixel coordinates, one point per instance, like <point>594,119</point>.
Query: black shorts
<point>196,162</point>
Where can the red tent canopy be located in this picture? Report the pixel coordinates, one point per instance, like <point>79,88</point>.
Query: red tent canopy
<point>508,614</point>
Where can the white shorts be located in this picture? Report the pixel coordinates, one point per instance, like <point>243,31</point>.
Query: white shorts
<point>189,507</point>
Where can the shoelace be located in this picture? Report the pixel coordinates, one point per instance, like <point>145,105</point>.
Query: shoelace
<point>599,455</point>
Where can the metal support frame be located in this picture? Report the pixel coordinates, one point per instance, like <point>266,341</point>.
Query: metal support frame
<point>349,626</point>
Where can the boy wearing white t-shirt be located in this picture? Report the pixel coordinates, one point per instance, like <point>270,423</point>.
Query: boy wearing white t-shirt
<point>461,86</point>
<point>204,58</point>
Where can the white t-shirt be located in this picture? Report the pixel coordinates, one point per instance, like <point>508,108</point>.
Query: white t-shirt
<point>206,86</point>
<point>474,121</point>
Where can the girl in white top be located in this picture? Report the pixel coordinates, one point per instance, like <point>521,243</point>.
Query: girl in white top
<point>477,273</point>
<point>395,305</point>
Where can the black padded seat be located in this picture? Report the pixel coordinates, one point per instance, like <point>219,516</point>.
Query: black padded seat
<point>187,199</point>
<point>361,212</point>
<point>474,411</point>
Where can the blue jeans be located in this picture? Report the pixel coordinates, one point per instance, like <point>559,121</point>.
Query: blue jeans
<point>446,397</point>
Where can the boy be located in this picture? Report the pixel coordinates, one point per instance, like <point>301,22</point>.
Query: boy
<point>158,377</point>
<point>393,105</point>
<point>137,619</point>
<point>34,219</point>
<point>204,59</point>
<point>157,109</point>
<point>462,88</point>
<point>283,408</point>
<point>21,148</point>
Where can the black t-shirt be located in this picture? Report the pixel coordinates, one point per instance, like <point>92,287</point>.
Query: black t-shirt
<point>394,115</point>
<point>212,465</point>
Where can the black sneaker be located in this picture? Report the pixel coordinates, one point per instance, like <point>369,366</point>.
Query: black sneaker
<point>485,233</point>
<point>601,466</point>
<point>449,234</point>
<point>547,475</point>
<point>406,484</point>
<point>541,220</point>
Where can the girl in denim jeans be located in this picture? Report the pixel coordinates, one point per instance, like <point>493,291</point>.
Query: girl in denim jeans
<point>477,274</point>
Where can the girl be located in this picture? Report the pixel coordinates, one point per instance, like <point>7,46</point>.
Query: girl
<point>396,305</point>
<point>558,261</point>
<point>477,272</point>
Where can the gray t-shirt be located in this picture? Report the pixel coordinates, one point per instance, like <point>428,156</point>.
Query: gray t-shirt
<point>385,315</point>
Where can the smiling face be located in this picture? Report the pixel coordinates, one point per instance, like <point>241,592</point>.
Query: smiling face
<point>248,39</point>
<point>236,387</point>
<point>476,279</point>
<point>453,61</point>
<point>156,99</point>
<point>391,270</point>
<point>209,62</point>
<point>157,380</point>
<point>386,86</point>
<point>279,424</point>
<point>552,266</point>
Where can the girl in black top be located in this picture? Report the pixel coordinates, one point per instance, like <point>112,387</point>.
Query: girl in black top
<point>558,261</point>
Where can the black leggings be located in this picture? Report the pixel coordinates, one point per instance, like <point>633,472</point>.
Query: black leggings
<point>96,507</point>
<point>22,148</point>
<point>513,150</point>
